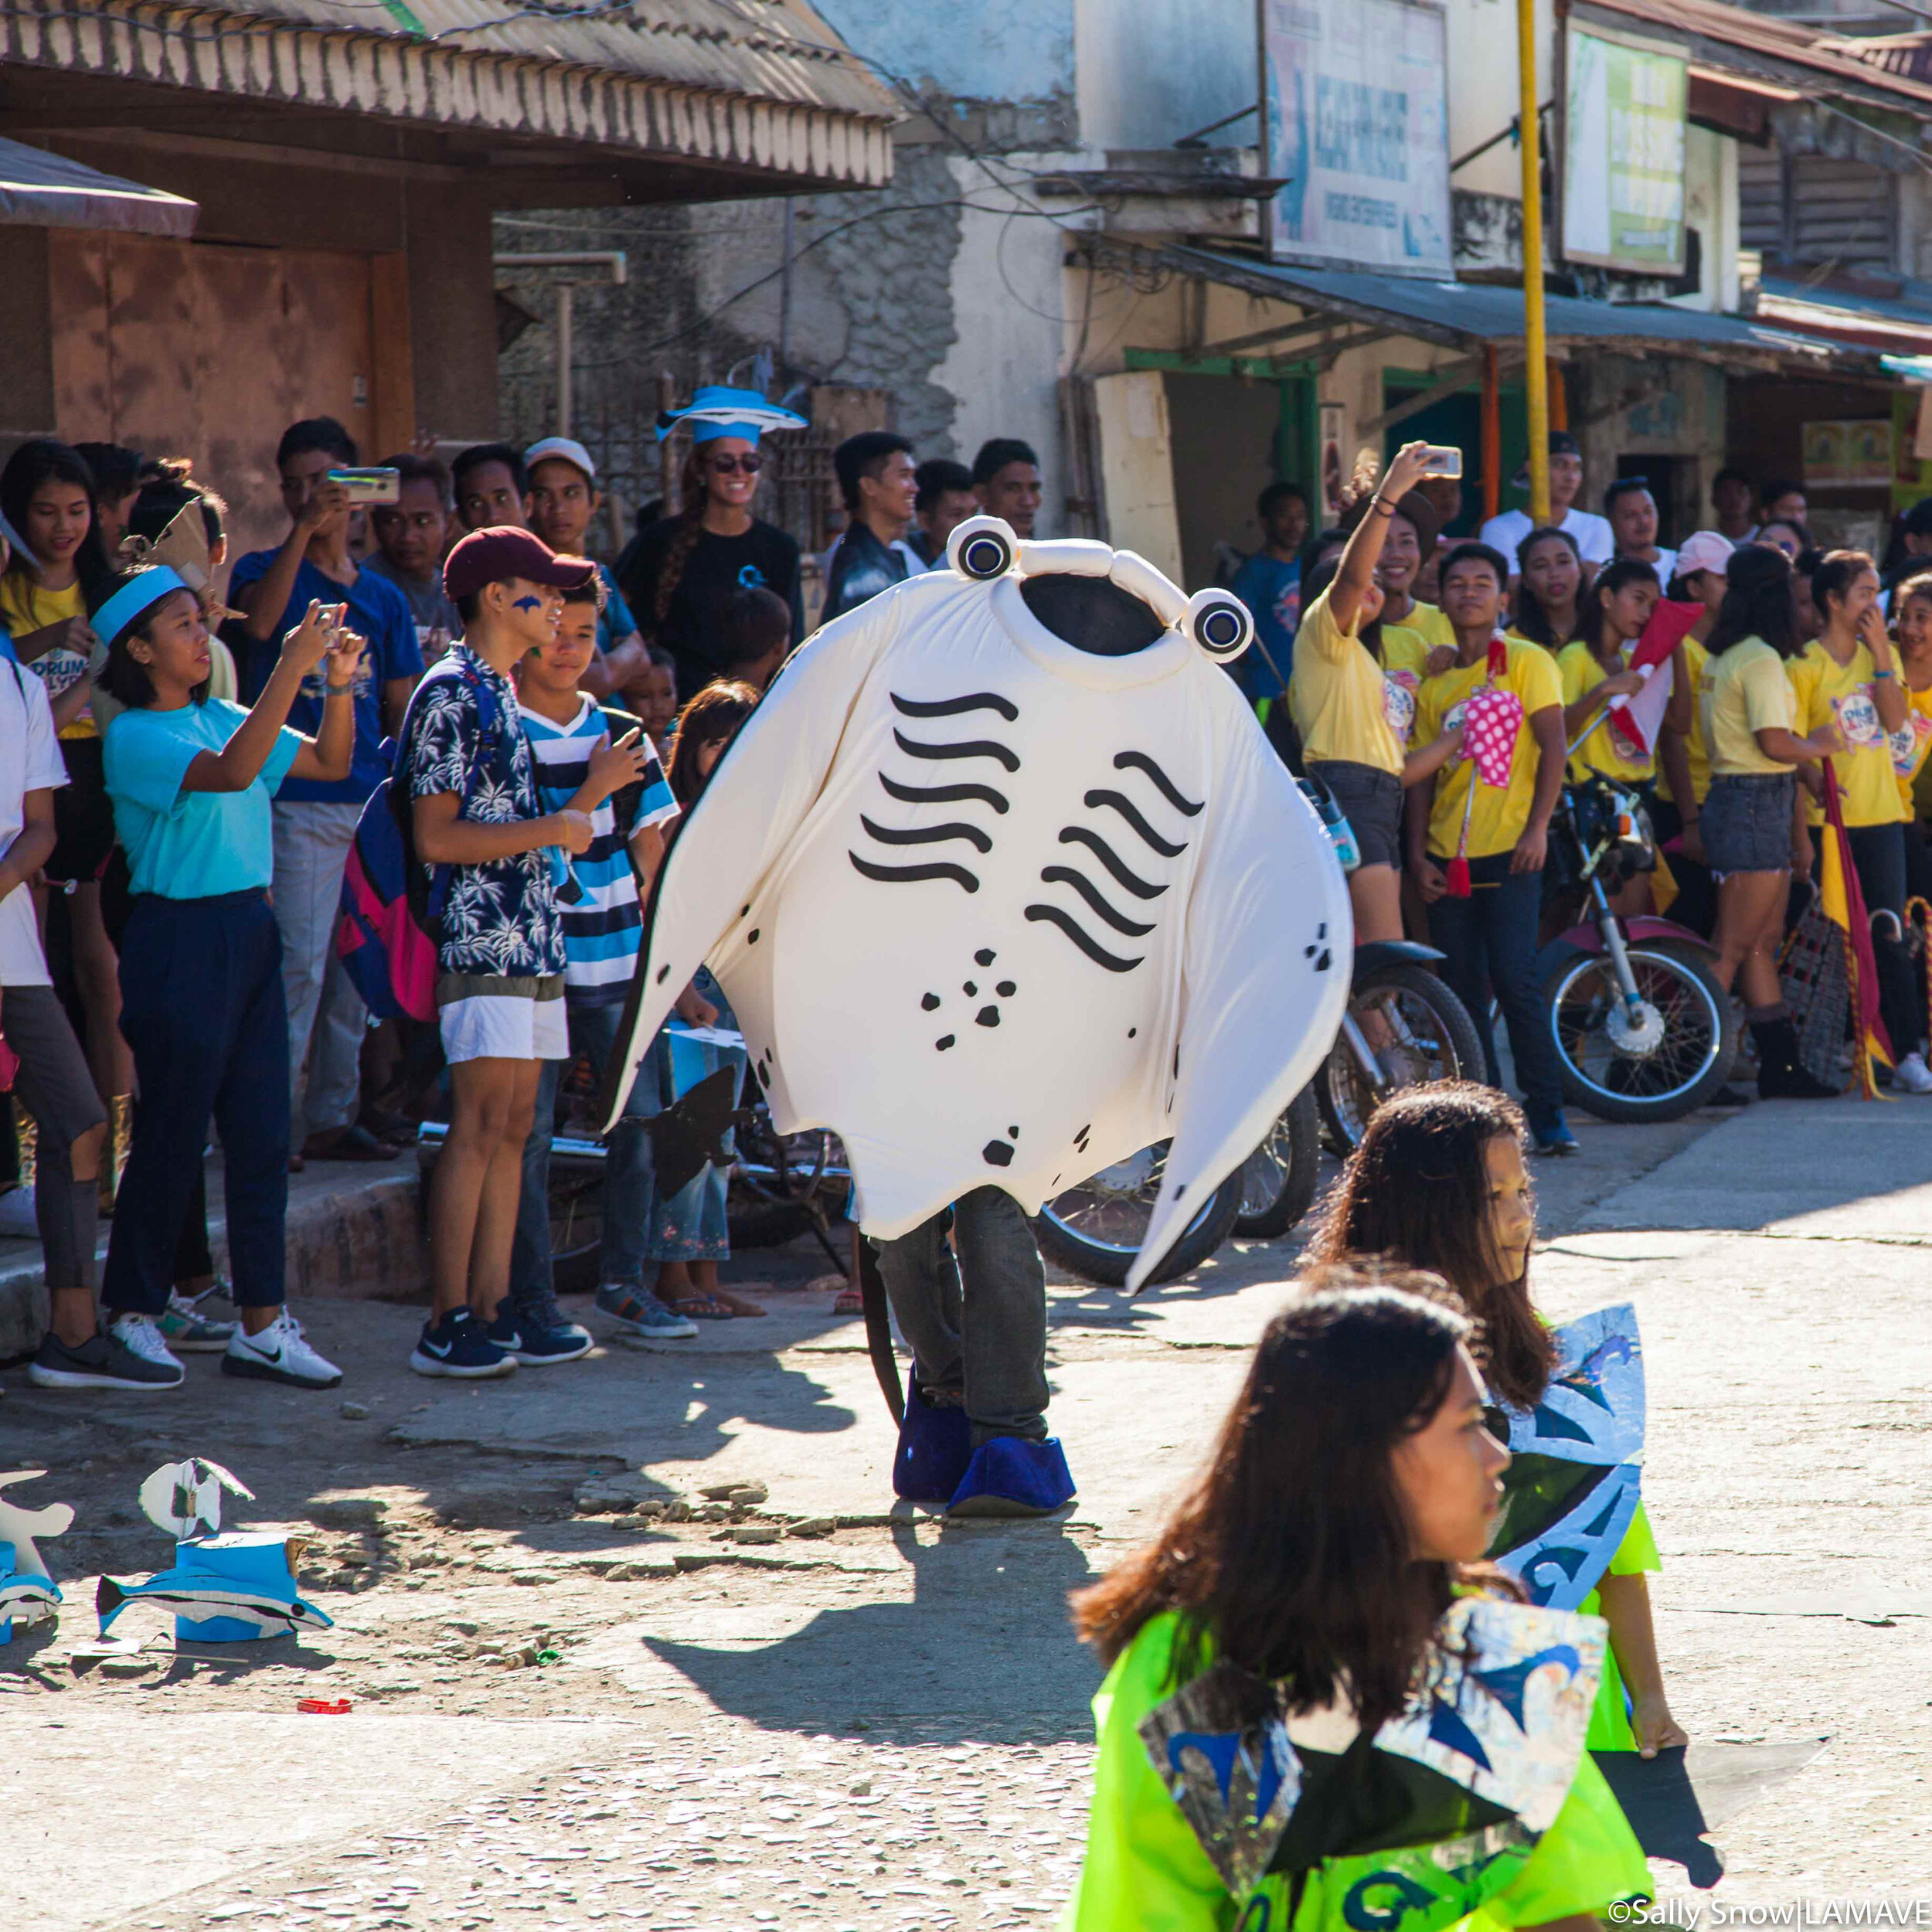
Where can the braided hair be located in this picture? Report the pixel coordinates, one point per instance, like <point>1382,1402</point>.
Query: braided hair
<point>677,557</point>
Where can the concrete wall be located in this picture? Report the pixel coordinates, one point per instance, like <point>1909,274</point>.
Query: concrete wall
<point>1184,63</point>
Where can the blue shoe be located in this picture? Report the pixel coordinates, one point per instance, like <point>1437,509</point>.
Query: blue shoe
<point>1011,1477</point>
<point>637,1311</point>
<point>537,1332</point>
<point>935,1445</point>
<point>460,1346</point>
<point>1552,1135</point>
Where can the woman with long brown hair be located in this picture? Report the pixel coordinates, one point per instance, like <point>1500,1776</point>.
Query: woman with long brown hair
<point>1312,1623</point>
<point>679,574</point>
<point>1438,1182</point>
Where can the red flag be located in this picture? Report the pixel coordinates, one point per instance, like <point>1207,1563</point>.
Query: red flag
<point>1638,720</point>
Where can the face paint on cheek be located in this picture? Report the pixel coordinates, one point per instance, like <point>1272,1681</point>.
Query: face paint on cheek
<point>529,603</point>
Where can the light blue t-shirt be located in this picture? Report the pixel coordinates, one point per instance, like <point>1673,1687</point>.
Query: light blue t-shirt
<point>191,844</point>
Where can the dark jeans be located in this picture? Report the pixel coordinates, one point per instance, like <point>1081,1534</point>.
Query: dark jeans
<point>1878,854</point>
<point>1695,905</point>
<point>1489,940</point>
<point>201,992</point>
<point>986,1339</point>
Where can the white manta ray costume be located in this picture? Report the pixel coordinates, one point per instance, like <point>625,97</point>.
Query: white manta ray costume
<point>1001,910</point>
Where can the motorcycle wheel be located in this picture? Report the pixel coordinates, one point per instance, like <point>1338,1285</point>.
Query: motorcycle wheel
<point>1687,1064</point>
<point>1095,1229</point>
<point>1278,1179</point>
<point>1433,1039</point>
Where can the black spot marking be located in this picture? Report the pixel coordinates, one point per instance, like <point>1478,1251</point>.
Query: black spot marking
<point>1013,1133</point>
<point>751,937</point>
<point>970,991</point>
<point>1327,960</point>
<point>1131,1031</point>
<point>742,910</point>
<point>664,973</point>
<point>984,956</point>
<point>988,1016</point>
<point>1321,931</point>
<point>996,1153</point>
<point>1177,1060</point>
<point>1179,1191</point>
<point>929,1002</point>
<point>943,1042</point>
<point>952,707</point>
<point>1006,989</point>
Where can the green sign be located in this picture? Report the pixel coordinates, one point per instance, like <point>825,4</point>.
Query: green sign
<point>1623,179</point>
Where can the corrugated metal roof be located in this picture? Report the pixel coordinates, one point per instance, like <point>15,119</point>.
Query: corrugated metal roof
<point>1470,315</point>
<point>1901,321</point>
<point>778,50</point>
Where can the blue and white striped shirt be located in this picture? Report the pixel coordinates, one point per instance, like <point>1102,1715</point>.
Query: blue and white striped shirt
<point>602,931</point>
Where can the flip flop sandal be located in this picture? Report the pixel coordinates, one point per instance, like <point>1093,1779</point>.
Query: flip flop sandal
<point>850,1302</point>
<point>702,1307</point>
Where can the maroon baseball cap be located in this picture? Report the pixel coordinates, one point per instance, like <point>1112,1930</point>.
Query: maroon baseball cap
<point>496,555</point>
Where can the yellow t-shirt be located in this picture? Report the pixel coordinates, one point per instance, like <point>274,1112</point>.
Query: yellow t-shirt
<point>1499,814</point>
<point>1696,749</point>
<point>1740,692</point>
<point>1829,692</point>
<point>1427,621</point>
<point>26,604</point>
<point>1404,653</point>
<point>1604,751</point>
<point>1910,743</point>
<point>1338,695</point>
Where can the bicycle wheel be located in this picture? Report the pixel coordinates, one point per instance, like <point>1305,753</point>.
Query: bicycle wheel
<point>1096,1228</point>
<point>1278,1178</point>
<point>1663,1063</point>
<point>1419,1031</point>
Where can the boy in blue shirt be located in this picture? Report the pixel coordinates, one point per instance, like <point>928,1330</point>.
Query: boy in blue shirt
<point>602,922</point>
<point>1269,584</point>
<point>475,809</point>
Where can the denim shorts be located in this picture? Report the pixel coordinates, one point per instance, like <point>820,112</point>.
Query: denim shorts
<point>1371,800</point>
<point>1746,821</point>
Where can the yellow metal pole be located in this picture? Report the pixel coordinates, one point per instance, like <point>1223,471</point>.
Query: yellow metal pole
<point>1536,371</point>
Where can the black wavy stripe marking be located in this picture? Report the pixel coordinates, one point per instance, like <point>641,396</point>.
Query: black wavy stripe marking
<point>1128,810</point>
<point>1105,853</point>
<point>912,875</point>
<point>952,707</point>
<point>970,748</point>
<point>927,835</point>
<point>945,794</point>
<point>1066,875</point>
<point>1140,761</point>
<point>1094,951</point>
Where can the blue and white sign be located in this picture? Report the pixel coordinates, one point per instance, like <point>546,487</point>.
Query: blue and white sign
<point>1355,96</point>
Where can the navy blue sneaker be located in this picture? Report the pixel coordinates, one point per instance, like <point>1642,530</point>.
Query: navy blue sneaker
<point>935,1445</point>
<point>1551,1134</point>
<point>1009,1476</point>
<point>536,1332</point>
<point>459,1345</point>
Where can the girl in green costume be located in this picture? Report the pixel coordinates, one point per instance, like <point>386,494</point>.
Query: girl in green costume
<point>1322,1713</point>
<point>1438,1182</point>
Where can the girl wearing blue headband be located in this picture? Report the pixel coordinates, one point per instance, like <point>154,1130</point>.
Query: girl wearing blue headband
<point>191,777</point>
<point>679,576</point>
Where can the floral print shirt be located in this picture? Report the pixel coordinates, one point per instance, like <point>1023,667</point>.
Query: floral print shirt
<point>500,917</point>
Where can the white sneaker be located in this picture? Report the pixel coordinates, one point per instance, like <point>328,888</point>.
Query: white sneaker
<point>1912,1074</point>
<point>138,1335</point>
<point>279,1354</point>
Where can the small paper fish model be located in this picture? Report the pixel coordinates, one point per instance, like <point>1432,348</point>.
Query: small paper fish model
<point>20,1526</point>
<point>184,1497</point>
<point>199,1597</point>
<point>26,1600</point>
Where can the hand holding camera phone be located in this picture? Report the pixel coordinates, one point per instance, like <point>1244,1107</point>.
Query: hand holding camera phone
<point>369,486</point>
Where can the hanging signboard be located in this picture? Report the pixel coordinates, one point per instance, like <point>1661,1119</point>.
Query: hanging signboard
<point>1623,166</point>
<point>1355,113</point>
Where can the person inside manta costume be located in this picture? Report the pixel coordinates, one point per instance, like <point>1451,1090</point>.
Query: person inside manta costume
<point>1004,883</point>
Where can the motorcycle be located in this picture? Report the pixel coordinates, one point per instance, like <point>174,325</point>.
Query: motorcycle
<point>1643,1030</point>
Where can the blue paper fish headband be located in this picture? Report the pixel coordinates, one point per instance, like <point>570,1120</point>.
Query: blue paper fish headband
<point>133,600</point>
<point>715,411</point>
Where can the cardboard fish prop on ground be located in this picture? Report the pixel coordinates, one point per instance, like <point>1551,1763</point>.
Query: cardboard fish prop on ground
<point>223,1589</point>
<point>1459,1787</point>
<point>184,1498</point>
<point>27,1592</point>
<point>1004,884</point>
<point>1572,1488</point>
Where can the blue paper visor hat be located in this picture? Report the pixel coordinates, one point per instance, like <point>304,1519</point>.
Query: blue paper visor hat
<point>716,411</point>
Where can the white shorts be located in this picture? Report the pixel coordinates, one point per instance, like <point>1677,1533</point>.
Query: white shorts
<point>485,1017</point>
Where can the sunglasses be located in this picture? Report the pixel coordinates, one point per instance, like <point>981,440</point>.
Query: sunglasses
<point>731,465</point>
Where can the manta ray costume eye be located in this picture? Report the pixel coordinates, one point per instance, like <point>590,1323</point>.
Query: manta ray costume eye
<point>1030,757</point>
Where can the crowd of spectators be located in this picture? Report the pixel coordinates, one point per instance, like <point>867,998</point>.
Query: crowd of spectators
<point>188,745</point>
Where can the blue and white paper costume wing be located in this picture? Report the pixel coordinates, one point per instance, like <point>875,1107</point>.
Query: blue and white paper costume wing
<point>1001,911</point>
<point>1571,1492</point>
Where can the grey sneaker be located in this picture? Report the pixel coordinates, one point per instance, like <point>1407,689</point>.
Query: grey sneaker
<point>638,1311</point>
<point>186,1328</point>
<point>103,1361</point>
